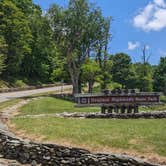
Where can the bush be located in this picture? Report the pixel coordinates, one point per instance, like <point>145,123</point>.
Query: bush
<point>19,83</point>
<point>163,99</point>
<point>114,85</point>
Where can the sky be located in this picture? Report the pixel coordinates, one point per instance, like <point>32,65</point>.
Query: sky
<point>135,23</point>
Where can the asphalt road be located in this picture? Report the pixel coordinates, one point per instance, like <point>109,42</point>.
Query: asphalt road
<point>14,95</point>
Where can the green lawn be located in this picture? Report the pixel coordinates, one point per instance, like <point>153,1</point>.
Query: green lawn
<point>50,105</point>
<point>9,103</point>
<point>161,107</point>
<point>140,135</point>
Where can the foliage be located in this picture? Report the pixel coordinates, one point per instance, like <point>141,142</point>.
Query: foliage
<point>19,83</point>
<point>90,72</point>
<point>40,64</point>
<point>160,76</point>
<point>114,85</point>
<point>56,46</point>
<point>106,74</point>
<point>76,27</point>
<point>121,69</point>
<point>144,80</point>
<point>15,30</point>
<point>163,99</point>
<point>3,52</point>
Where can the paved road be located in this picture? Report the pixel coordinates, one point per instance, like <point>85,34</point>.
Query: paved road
<point>13,95</point>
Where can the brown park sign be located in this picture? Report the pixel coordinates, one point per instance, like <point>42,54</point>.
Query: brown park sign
<point>118,99</point>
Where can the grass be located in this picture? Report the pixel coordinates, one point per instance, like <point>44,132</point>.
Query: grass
<point>140,135</point>
<point>9,103</point>
<point>163,99</point>
<point>161,107</point>
<point>50,105</point>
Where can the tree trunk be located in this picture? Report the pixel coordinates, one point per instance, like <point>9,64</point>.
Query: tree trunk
<point>75,84</point>
<point>75,75</point>
<point>90,86</point>
<point>79,83</point>
<point>75,87</point>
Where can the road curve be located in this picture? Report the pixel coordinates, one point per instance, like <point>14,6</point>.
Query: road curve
<point>14,95</point>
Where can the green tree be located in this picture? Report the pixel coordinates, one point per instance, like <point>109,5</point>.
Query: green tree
<point>160,76</point>
<point>75,30</point>
<point>15,29</point>
<point>121,69</point>
<point>90,72</point>
<point>102,53</point>
<point>106,74</point>
<point>38,65</point>
<point>3,51</point>
<point>26,6</point>
<point>144,80</point>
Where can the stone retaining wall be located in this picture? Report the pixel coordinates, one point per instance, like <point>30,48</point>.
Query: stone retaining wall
<point>54,155</point>
<point>143,115</point>
<point>65,96</point>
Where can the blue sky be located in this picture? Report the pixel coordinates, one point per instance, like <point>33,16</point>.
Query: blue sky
<point>135,23</point>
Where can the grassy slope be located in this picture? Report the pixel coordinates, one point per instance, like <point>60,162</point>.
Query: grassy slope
<point>140,135</point>
<point>9,103</point>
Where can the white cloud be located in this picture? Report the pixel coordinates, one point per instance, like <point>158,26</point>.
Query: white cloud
<point>160,3</point>
<point>152,17</point>
<point>132,45</point>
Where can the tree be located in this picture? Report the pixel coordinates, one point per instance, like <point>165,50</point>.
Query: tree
<point>160,76</point>
<point>105,77</point>
<point>3,51</point>
<point>121,69</point>
<point>15,30</point>
<point>102,53</point>
<point>90,72</point>
<point>144,80</point>
<point>144,72</point>
<point>38,65</point>
<point>75,31</point>
<point>26,6</point>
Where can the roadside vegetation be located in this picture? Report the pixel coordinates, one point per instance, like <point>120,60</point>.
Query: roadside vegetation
<point>55,47</point>
<point>9,103</point>
<point>71,45</point>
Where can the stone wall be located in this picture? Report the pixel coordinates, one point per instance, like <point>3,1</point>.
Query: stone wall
<point>143,115</point>
<point>54,155</point>
<point>65,96</point>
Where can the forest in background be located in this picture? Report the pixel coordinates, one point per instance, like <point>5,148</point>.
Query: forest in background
<point>68,45</point>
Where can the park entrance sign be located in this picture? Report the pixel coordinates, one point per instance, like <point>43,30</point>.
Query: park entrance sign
<point>116,101</point>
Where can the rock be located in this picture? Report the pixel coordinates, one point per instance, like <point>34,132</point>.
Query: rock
<point>52,155</point>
